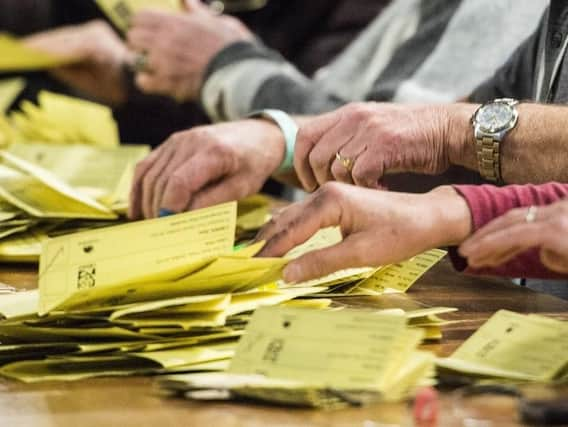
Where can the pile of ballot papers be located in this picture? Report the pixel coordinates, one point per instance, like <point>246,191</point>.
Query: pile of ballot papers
<point>164,295</point>
<point>318,359</point>
<point>47,190</point>
<point>516,347</point>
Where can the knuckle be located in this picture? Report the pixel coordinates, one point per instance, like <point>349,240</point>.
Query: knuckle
<point>330,190</point>
<point>316,160</point>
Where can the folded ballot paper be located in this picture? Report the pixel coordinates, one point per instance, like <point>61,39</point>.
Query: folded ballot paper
<point>120,12</point>
<point>164,295</point>
<point>513,346</point>
<point>47,190</point>
<point>16,56</point>
<point>62,119</point>
<point>317,358</point>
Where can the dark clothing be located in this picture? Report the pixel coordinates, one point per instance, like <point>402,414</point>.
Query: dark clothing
<point>537,70</point>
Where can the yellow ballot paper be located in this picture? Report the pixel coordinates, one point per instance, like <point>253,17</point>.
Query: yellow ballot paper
<point>42,195</point>
<point>16,56</point>
<point>153,250</point>
<point>513,345</point>
<point>80,166</point>
<point>17,304</point>
<point>400,277</point>
<point>9,91</point>
<point>121,12</point>
<point>346,349</point>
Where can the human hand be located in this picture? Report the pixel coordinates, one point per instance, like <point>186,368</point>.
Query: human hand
<point>205,166</point>
<point>516,232</point>
<point>360,143</point>
<point>378,227</point>
<point>100,56</point>
<point>178,47</point>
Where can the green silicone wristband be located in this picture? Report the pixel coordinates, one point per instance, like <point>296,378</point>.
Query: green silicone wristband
<point>289,129</point>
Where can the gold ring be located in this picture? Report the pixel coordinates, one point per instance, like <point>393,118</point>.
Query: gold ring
<point>530,217</point>
<point>347,162</point>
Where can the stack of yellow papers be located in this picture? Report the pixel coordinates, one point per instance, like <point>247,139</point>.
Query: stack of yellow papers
<point>319,359</point>
<point>47,190</point>
<point>514,346</point>
<point>62,119</point>
<point>161,295</point>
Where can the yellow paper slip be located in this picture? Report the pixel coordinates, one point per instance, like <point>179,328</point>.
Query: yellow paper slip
<point>121,12</point>
<point>154,250</point>
<point>401,276</point>
<point>41,194</point>
<point>346,349</point>
<point>9,91</point>
<point>80,166</point>
<point>512,345</point>
<point>16,56</point>
<point>19,304</point>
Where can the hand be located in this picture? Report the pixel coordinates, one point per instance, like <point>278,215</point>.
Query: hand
<point>377,139</point>
<point>510,235</point>
<point>100,54</point>
<point>180,46</point>
<point>378,227</point>
<point>205,166</point>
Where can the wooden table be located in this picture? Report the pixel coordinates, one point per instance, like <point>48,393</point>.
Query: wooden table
<point>135,401</point>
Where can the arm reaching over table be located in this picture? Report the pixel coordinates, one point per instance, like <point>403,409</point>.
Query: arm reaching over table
<point>378,227</point>
<point>384,227</point>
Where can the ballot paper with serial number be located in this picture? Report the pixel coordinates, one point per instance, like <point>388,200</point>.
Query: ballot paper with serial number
<point>16,56</point>
<point>154,250</point>
<point>300,356</point>
<point>121,12</point>
<point>514,346</point>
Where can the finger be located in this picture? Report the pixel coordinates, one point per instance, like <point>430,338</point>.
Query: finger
<point>148,182</point>
<point>280,219</point>
<point>320,263</point>
<point>518,237</point>
<point>323,154</point>
<point>234,188</point>
<point>511,218</point>
<point>340,172</point>
<point>297,226</point>
<point>308,136</point>
<point>176,161</point>
<point>189,178</point>
<point>554,260</point>
<point>135,207</point>
<point>368,170</point>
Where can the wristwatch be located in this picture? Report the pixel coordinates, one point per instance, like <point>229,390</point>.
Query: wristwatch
<point>491,123</point>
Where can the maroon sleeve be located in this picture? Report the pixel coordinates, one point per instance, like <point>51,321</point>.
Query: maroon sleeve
<point>487,202</point>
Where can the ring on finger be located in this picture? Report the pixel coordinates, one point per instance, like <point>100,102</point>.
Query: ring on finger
<point>140,62</point>
<point>346,162</point>
<point>530,217</point>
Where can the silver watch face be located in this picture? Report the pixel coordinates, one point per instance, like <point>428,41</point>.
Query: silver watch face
<point>495,117</point>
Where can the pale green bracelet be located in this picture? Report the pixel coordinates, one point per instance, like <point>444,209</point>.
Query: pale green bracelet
<point>289,129</point>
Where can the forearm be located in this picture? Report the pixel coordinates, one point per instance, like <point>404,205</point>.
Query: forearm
<point>531,153</point>
<point>246,77</point>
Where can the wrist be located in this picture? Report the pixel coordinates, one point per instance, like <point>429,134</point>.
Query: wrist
<point>460,138</point>
<point>451,221</point>
<point>271,142</point>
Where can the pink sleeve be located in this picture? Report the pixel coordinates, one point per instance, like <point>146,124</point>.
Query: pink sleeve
<point>487,202</point>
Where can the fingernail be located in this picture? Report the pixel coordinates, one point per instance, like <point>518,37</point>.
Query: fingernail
<point>165,212</point>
